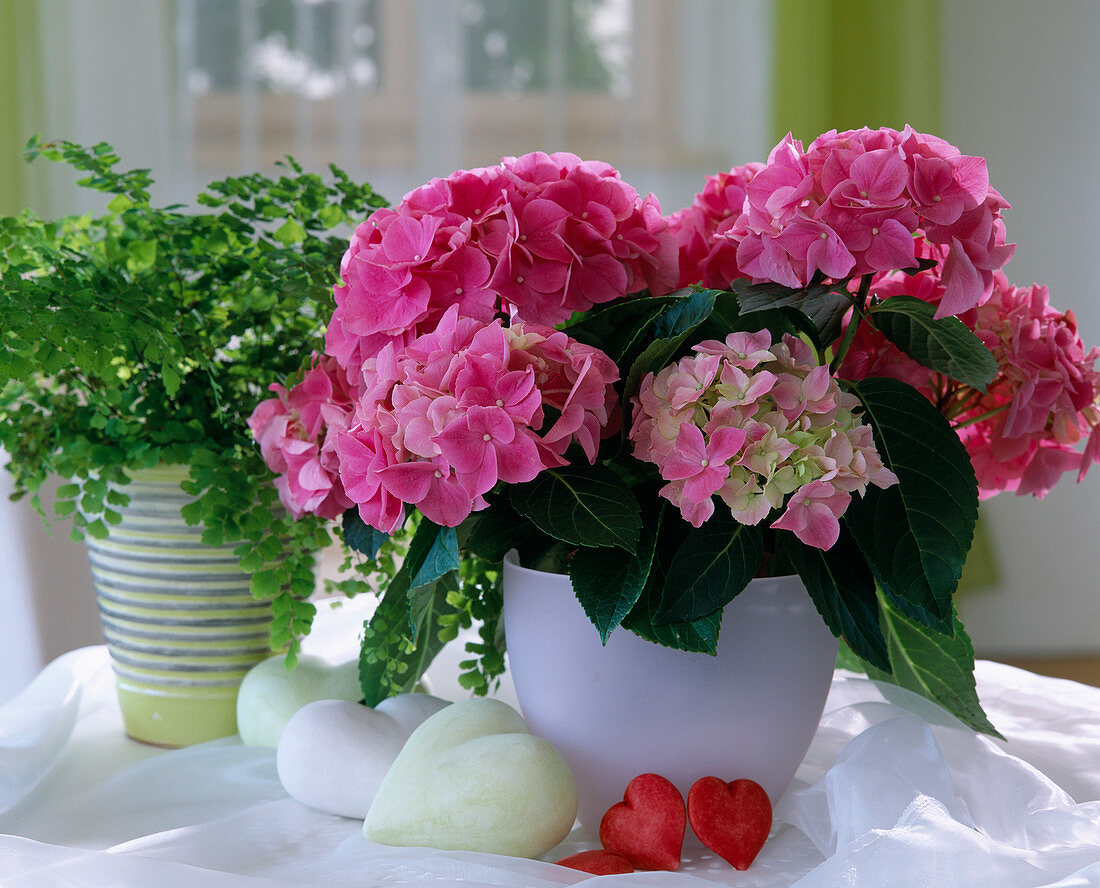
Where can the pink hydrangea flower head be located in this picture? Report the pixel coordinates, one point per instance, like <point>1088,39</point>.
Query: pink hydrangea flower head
<point>297,430</point>
<point>703,257</point>
<point>763,427</point>
<point>465,406</point>
<point>852,202</point>
<point>1025,430</point>
<point>535,238</point>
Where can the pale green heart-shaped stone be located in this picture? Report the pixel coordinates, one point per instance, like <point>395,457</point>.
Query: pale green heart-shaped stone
<point>473,778</point>
<point>270,694</point>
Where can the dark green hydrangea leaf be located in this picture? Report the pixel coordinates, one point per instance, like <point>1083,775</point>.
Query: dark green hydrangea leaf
<point>915,535</point>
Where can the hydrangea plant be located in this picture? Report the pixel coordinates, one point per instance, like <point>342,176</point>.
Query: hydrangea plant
<point>814,369</point>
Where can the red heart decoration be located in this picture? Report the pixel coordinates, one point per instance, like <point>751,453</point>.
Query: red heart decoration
<point>732,819</point>
<point>647,827</point>
<point>598,863</point>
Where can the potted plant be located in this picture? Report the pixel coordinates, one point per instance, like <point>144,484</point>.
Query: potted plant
<point>813,372</point>
<point>135,343</point>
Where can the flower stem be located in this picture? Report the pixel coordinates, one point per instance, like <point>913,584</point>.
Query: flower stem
<point>981,417</point>
<point>859,311</point>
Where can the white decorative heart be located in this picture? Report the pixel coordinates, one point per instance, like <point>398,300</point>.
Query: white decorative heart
<point>270,695</point>
<point>473,778</point>
<point>333,754</point>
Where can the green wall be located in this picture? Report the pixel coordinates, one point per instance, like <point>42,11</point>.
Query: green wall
<point>843,64</point>
<point>18,92</point>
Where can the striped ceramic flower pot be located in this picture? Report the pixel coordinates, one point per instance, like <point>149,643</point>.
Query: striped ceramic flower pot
<point>180,624</point>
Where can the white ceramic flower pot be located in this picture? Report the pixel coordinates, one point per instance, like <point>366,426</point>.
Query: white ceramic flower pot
<point>632,707</point>
<point>181,625</point>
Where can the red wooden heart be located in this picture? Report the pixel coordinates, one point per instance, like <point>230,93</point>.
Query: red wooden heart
<point>598,863</point>
<point>647,827</point>
<point>732,819</point>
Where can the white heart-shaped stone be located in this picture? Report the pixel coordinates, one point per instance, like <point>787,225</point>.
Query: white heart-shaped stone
<point>473,778</point>
<point>270,695</point>
<point>333,754</point>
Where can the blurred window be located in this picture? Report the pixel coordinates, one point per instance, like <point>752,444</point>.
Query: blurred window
<point>402,90</point>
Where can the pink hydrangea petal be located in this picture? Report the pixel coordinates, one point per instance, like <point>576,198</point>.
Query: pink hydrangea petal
<point>963,285</point>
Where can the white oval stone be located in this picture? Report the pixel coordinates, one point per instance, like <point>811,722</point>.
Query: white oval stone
<point>270,695</point>
<point>473,778</point>
<point>333,754</point>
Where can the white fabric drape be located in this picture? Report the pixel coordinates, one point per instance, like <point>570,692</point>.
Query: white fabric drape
<point>892,794</point>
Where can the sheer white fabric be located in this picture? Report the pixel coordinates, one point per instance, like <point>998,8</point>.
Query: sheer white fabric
<point>892,793</point>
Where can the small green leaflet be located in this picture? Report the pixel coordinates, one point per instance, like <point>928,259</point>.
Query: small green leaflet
<point>290,233</point>
<point>946,345</point>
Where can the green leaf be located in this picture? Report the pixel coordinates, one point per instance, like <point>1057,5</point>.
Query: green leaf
<point>360,536</point>
<point>171,378</point>
<point>142,255</point>
<point>710,568</point>
<point>331,216</point>
<point>119,203</point>
<point>697,636</point>
<point>441,556</point>
<point>97,530</point>
<point>915,535</point>
<point>842,589</point>
<point>946,345</point>
<point>933,665</point>
<point>64,508</point>
<point>619,328</point>
<point>609,581</point>
<point>672,329</point>
<point>252,562</point>
<point>685,314</point>
<point>390,661</point>
<point>584,505</point>
<point>825,306</point>
<point>290,233</point>
<point>266,584</point>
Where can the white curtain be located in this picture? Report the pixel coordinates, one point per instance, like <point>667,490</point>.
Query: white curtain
<point>394,91</point>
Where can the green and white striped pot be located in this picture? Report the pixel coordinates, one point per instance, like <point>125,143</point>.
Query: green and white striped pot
<point>181,627</point>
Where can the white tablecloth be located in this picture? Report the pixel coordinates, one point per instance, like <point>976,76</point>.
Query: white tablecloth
<point>892,793</point>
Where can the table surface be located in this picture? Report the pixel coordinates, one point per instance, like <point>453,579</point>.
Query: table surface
<point>893,792</point>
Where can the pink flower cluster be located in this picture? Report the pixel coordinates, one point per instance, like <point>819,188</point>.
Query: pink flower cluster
<point>297,435</point>
<point>705,255</point>
<point>463,406</point>
<point>851,203</point>
<point>757,425</point>
<point>1023,434</point>
<point>536,238</point>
